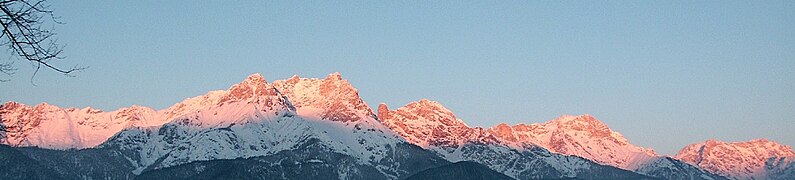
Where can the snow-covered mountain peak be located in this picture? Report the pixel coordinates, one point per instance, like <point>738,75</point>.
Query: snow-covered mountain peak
<point>252,99</point>
<point>740,160</point>
<point>763,145</point>
<point>764,142</point>
<point>586,125</point>
<point>569,118</point>
<point>428,104</point>
<point>295,77</point>
<point>264,119</point>
<point>432,111</point>
<point>505,131</point>
<point>334,76</point>
<point>87,110</point>
<point>45,106</point>
<point>193,104</point>
<point>504,127</point>
<point>11,105</point>
<point>254,118</point>
<point>255,78</point>
<point>49,126</point>
<point>332,98</point>
<point>132,111</point>
<point>579,122</point>
<point>427,123</point>
<point>581,135</point>
<point>253,88</point>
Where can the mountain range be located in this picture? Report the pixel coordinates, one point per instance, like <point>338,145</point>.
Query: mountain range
<point>301,128</point>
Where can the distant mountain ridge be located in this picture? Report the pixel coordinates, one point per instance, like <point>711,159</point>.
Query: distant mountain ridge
<point>320,121</point>
<point>432,126</point>
<point>257,119</point>
<point>755,159</point>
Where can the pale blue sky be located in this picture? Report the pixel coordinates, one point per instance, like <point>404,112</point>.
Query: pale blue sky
<point>664,74</point>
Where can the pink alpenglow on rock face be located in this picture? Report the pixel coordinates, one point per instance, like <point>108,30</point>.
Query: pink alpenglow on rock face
<point>739,160</point>
<point>429,124</point>
<point>583,136</point>
<point>332,98</point>
<point>255,118</point>
<point>53,127</point>
<point>252,88</point>
<point>49,126</point>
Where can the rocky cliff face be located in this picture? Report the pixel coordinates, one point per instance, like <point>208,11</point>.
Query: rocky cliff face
<point>564,146</point>
<point>257,119</point>
<point>755,159</point>
<point>326,120</point>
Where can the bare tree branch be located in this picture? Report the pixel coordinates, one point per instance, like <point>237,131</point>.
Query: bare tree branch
<point>22,22</point>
